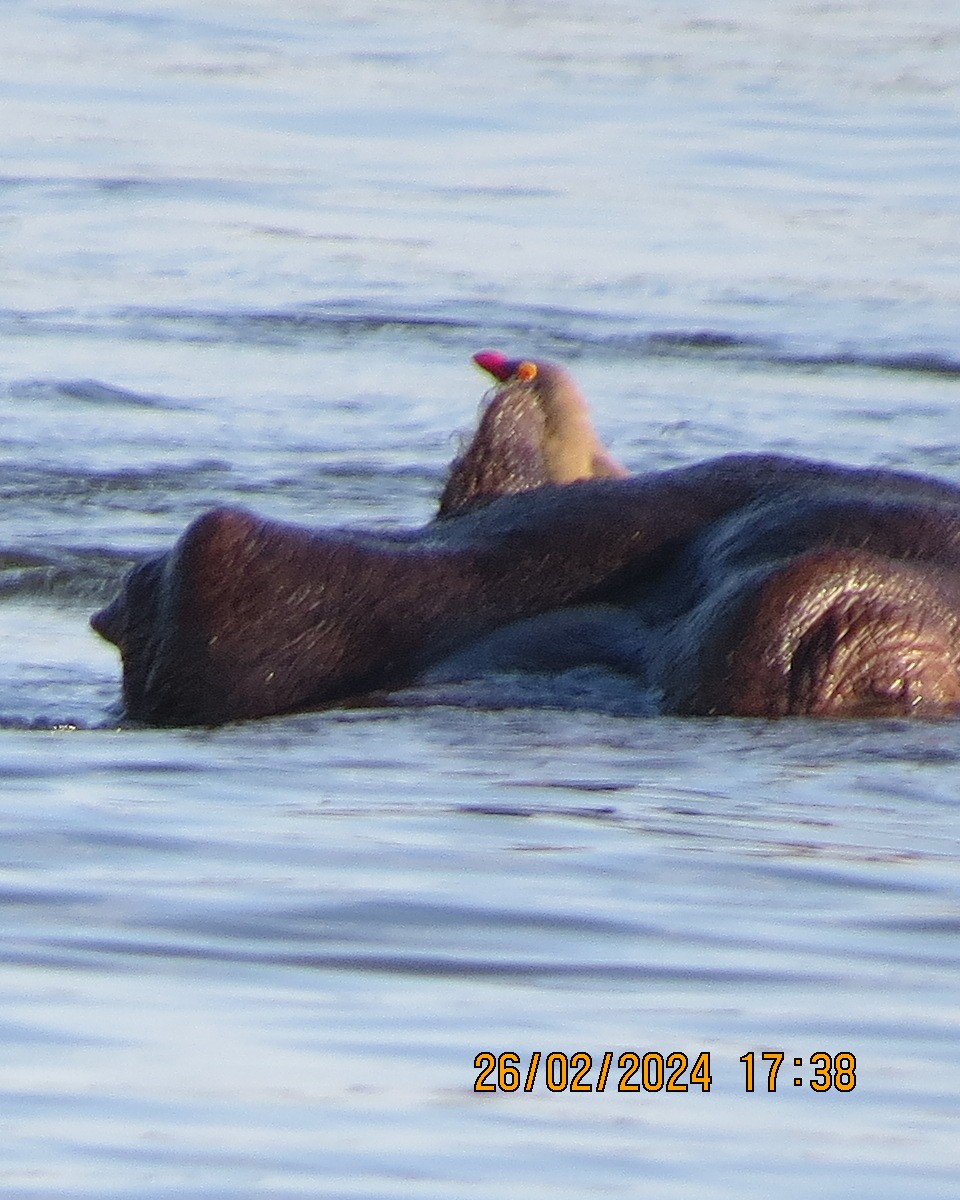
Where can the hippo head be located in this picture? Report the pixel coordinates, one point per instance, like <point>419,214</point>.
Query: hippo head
<point>752,585</point>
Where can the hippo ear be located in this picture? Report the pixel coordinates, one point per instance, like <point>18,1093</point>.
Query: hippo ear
<point>109,622</point>
<point>505,455</point>
<point>605,466</point>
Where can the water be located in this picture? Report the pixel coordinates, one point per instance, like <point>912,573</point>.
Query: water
<point>247,252</point>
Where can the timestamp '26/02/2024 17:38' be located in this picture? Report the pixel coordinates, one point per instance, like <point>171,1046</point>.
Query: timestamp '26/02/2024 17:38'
<point>653,1071</point>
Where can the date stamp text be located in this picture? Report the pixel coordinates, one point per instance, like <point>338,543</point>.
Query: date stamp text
<point>656,1071</point>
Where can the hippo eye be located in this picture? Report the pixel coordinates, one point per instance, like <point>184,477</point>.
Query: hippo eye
<point>526,371</point>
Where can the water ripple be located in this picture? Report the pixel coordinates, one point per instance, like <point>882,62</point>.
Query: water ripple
<point>462,324</point>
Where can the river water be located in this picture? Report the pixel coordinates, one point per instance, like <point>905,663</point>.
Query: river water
<point>247,251</point>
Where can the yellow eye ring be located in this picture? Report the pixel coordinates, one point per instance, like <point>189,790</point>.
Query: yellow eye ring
<point>526,371</point>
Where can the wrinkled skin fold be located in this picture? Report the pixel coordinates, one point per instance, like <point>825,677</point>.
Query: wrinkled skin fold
<point>751,585</point>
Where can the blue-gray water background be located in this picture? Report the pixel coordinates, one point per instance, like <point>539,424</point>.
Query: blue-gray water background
<point>247,250</point>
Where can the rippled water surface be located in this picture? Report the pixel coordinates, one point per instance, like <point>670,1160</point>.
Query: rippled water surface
<point>247,251</point>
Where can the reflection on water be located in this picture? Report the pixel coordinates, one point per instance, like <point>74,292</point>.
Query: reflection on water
<point>275,950</point>
<point>251,250</point>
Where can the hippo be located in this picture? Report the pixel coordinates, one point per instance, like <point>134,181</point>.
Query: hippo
<point>752,585</point>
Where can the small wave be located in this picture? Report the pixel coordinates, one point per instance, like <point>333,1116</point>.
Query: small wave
<point>464,325</point>
<point>87,391</point>
<point>103,953</point>
<point>53,486</point>
<point>542,330</point>
<point>290,326</point>
<point>72,575</point>
<point>684,344</point>
<point>61,724</point>
<point>581,689</point>
<point>603,813</point>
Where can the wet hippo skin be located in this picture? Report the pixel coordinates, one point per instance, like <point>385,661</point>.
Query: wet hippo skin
<point>752,585</point>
